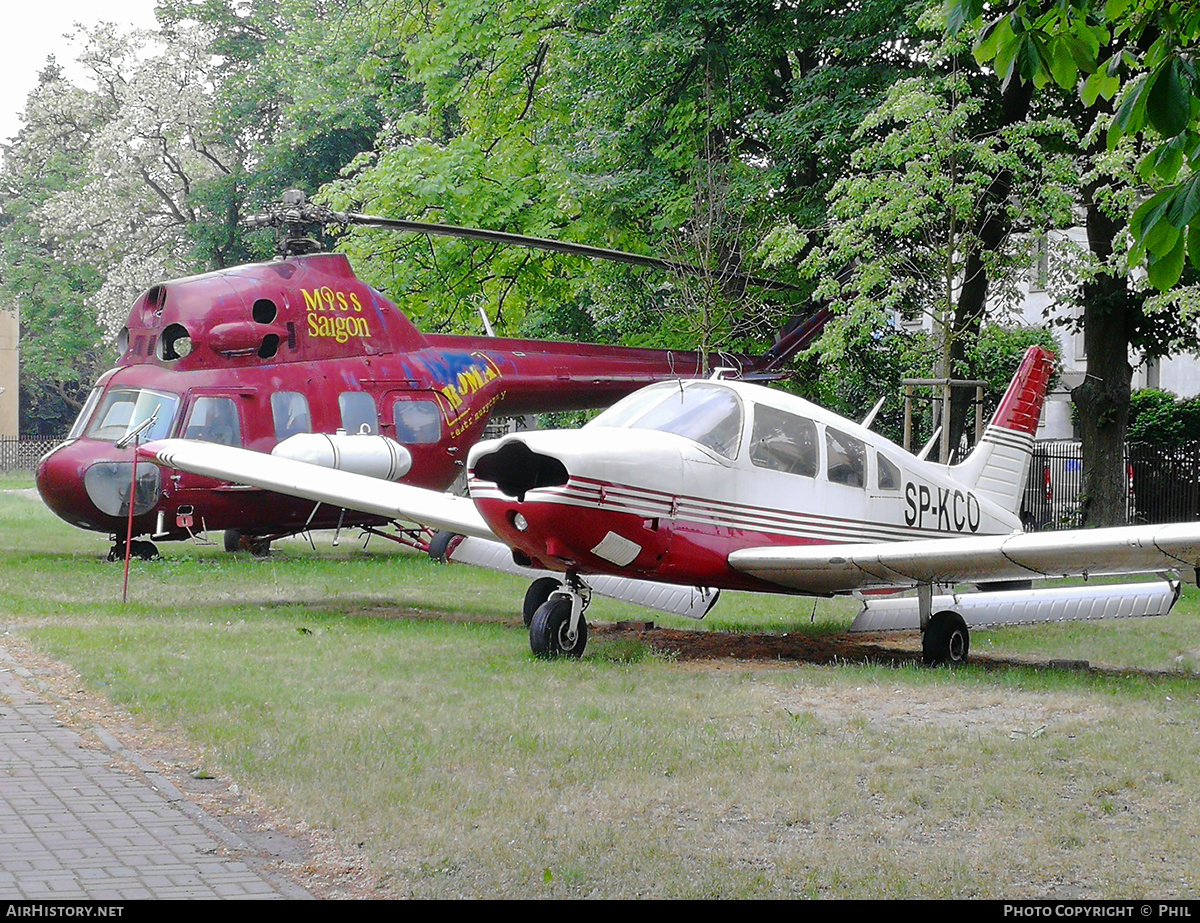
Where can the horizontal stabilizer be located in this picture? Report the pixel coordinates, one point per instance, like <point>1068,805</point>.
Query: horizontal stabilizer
<point>692,602</point>
<point>1028,607</point>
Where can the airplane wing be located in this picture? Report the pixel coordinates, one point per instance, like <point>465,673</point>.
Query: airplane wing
<point>324,485</point>
<point>1018,556</point>
<point>400,501</point>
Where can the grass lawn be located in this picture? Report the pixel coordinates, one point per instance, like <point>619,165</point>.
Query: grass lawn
<point>394,705</point>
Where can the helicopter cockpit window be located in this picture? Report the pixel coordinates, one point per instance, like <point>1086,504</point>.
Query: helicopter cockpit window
<point>708,414</point>
<point>123,411</point>
<point>85,414</point>
<point>290,410</point>
<point>417,422</point>
<point>214,419</point>
<point>358,412</point>
<point>847,458</point>
<point>783,441</point>
<point>889,474</point>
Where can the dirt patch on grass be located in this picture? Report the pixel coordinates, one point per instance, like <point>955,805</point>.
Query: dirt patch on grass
<point>686,646</point>
<point>1016,713</point>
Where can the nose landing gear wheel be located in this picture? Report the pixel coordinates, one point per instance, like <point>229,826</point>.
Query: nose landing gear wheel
<point>539,591</point>
<point>947,640</point>
<point>550,628</point>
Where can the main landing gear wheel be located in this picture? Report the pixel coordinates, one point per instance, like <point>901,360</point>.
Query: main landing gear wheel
<point>143,551</point>
<point>442,543</point>
<point>235,541</point>
<point>539,591</point>
<point>549,632</point>
<point>947,640</point>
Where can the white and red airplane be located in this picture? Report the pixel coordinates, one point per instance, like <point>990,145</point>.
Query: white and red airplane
<point>714,483</point>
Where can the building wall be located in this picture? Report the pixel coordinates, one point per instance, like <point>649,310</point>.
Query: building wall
<point>9,397</point>
<point>1177,374</point>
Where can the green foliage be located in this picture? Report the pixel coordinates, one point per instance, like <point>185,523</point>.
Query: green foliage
<point>874,367</point>
<point>107,190</point>
<point>1162,419</point>
<point>996,354</point>
<point>1139,56</point>
<point>911,213</point>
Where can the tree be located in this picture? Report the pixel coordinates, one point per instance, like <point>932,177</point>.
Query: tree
<point>1137,57</point>
<point>146,172</point>
<point>609,123</point>
<point>1140,55</point>
<point>61,351</point>
<point>950,185</point>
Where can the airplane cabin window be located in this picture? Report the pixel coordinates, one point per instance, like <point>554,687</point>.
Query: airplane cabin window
<point>707,414</point>
<point>847,458</point>
<point>214,419</point>
<point>290,410</point>
<point>889,474</point>
<point>628,409</point>
<point>783,441</point>
<point>358,411</point>
<point>417,422</point>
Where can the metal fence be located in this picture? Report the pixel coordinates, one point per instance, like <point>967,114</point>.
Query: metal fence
<point>23,454</point>
<point>1164,485</point>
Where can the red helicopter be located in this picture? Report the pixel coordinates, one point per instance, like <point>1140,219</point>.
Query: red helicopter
<point>300,352</point>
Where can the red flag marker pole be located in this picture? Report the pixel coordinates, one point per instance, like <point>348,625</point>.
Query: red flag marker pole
<point>129,528</point>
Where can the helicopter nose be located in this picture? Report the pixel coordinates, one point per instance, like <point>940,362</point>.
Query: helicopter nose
<point>93,492</point>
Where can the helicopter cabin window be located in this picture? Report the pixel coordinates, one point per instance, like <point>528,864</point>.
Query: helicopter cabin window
<point>121,412</point>
<point>358,412</point>
<point>889,474</point>
<point>783,441</point>
<point>214,419</point>
<point>417,422</point>
<point>290,410</point>
<point>846,457</point>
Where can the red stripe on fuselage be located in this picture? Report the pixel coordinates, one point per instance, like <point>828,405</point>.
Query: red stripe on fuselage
<point>566,523</point>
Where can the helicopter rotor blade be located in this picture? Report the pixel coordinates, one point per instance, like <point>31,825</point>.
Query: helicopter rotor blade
<point>558,246</point>
<point>295,214</point>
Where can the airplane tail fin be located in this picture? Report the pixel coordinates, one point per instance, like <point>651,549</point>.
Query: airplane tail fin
<point>1000,463</point>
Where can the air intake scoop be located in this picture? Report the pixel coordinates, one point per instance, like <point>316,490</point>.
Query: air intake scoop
<point>516,469</point>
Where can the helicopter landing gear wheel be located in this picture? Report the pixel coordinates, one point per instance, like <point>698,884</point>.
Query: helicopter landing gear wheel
<point>143,551</point>
<point>539,591</point>
<point>236,541</point>
<point>550,630</point>
<point>947,640</point>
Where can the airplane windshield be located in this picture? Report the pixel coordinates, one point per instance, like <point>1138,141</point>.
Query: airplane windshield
<point>708,414</point>
<point>122,411</point>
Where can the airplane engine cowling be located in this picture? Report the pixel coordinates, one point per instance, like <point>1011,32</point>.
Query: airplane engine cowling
<point>359,453</point>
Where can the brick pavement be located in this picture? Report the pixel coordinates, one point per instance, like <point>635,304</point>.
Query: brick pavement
<point>74,827</point>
